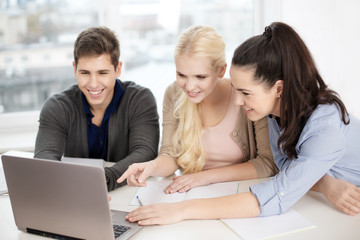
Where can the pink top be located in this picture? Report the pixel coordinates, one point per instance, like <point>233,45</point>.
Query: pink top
<point>220,149</point>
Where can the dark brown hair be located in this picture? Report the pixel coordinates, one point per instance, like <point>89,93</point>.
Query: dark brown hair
<point>95,41</point>
<point>280,54</point>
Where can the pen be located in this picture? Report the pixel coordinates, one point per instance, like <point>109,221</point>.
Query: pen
<point>141,204</point>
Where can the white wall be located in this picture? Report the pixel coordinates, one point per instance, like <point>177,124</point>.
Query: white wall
<point>331,30</point>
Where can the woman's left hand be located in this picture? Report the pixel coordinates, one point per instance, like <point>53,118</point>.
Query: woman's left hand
<point>185,183</point>
<point>157,214</point>
<point>341,194</point>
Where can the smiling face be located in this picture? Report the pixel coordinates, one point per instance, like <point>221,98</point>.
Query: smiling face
<point>196,77</point>
<point>257,100</point>
<point>96,79</point>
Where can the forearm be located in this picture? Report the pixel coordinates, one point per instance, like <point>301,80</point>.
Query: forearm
<point>164,166</point>
<point>322,185</point>
<point>236,172</point>
<point>49,144</point>
<point>233,206</point>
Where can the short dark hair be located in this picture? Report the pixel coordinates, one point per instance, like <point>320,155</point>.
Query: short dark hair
<point>96,41</point>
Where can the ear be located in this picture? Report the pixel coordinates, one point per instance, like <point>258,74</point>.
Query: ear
<point>118,69</point>
<point>222,71</point>
<point>74,66</point>
<point>279,86</point>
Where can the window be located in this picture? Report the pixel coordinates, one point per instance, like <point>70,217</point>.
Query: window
<point>37,36</point>
<point>37,50</point>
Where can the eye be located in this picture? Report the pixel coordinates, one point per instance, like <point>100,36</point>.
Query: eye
<point>181,75</point>
<point>201,76</point>
<point>245,93</point>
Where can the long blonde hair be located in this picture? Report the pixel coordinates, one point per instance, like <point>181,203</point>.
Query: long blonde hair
<point>201,41</point>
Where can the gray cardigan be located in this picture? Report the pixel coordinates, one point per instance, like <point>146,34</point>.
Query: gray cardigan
<point>133,129</point>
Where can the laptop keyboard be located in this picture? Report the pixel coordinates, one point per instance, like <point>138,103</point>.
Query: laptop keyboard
<point>119,230</point>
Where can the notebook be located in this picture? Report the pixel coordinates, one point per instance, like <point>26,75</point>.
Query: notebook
<point>62,200</point>
<point>268,227</point>
<point>154,192</point>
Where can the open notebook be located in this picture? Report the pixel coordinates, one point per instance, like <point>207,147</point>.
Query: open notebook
<point>246,228</point>
<point>154,192</point>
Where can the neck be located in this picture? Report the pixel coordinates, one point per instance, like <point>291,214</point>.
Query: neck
<point>276,110</point>
<point>217,95</point>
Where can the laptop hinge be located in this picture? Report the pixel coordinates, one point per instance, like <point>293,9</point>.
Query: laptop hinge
<point>51,235</point>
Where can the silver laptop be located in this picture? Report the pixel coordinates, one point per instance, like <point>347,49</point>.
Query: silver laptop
<point>62,200</point>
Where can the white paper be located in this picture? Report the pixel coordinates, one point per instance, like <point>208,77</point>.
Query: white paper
<point>154,192</point>
<point>213,190</point>
<point>267,227</point>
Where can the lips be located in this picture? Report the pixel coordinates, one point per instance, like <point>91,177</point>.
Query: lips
<point>193,94</point>
<point>95,93</point>
<point>248,110</point>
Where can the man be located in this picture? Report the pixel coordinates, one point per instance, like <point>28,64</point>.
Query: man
<point>100,117</point>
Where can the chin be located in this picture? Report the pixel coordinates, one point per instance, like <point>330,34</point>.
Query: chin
<point>255,118</point>
<point>195,100</point>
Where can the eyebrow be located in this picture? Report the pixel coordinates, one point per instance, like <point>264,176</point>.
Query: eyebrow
<point>100,70</point>
<point>240,89</point>
<point>198,74</point>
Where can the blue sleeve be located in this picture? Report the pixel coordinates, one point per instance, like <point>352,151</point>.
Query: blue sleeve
<point>320,146</point>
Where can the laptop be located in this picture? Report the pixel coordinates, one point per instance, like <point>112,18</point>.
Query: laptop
<point>63,200</point>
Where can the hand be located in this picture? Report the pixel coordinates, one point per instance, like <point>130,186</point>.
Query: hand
<point>137,174</point>
<point>185,183</point>
<point>343,195</point>
<point>157,214</point>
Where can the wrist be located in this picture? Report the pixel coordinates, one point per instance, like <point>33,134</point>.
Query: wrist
<point>153,166</point>
<point>322,185</point>
<point>185,210</point>
<point>205,178</point>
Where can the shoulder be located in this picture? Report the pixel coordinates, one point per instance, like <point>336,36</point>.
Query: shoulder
<point>173,89</point>
<point>136,99</point>
<point>134,88</point>
<point>325,115</point>
<point>324,129</point>
<point>172,93</point>
<point>136,93</point>
<point>67,98</point>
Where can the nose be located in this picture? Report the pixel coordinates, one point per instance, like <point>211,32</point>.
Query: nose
<point>93,81</point>
<point>238,99</point>
<point>190,84</point>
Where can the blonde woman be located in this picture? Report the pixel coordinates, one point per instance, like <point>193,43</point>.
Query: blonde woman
<point>204,133</point>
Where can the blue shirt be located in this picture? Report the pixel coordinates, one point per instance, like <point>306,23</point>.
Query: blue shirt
<point>326,146</point>
<point>98,136</point>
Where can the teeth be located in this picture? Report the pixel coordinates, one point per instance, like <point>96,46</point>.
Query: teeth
<point>95,92</point>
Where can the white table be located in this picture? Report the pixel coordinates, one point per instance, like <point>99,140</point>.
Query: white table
<point>330,223</point>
